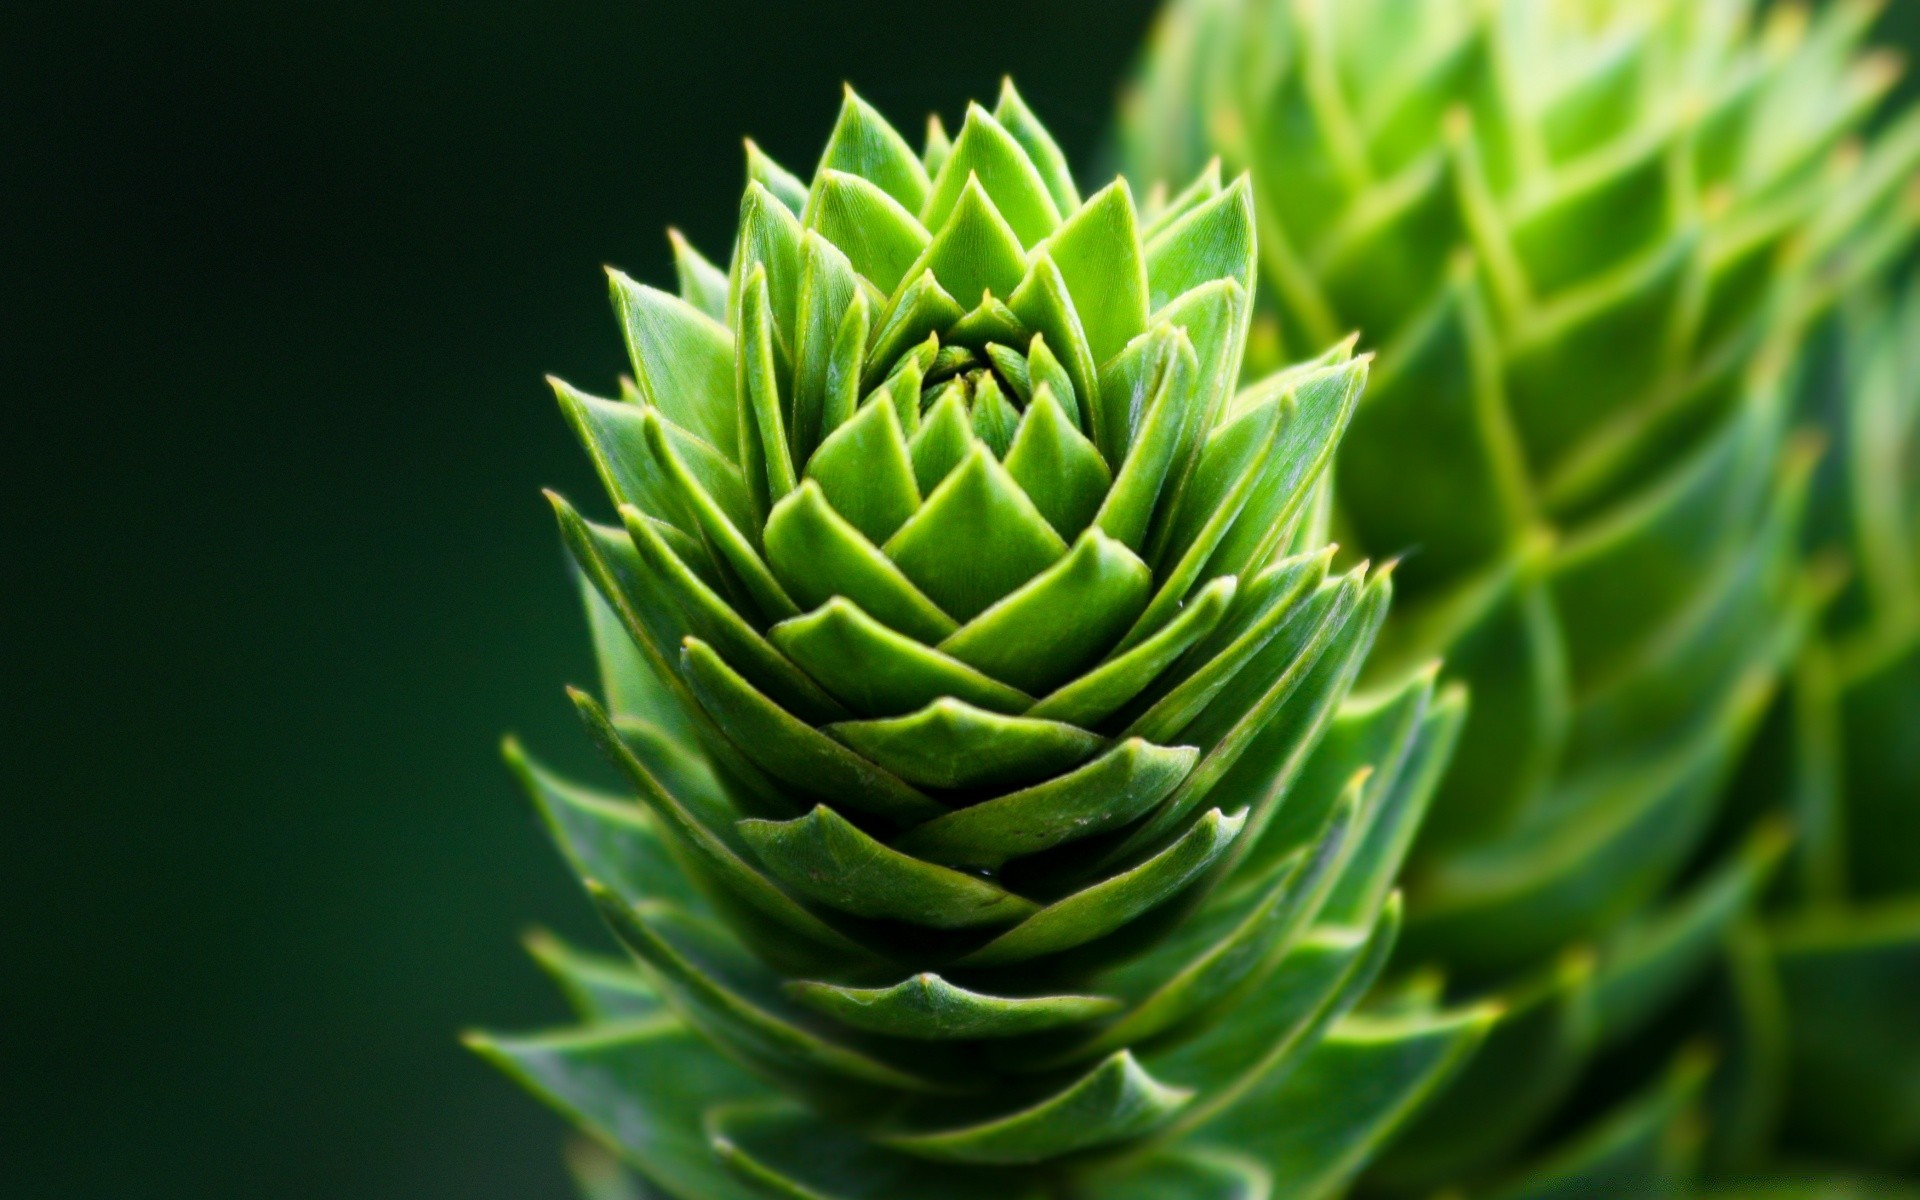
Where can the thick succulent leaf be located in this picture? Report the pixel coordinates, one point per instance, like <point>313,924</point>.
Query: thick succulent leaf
<point>828,291</point>
<point>604,837</point>
<point>1104,266</point>
<point>599,988</point>
<point>1323,404</point>
<point>785,1151</point>
<point>989,324</point>
<point>1338,624</point>
<point>766,453</point>
<point>817,555</point>
<point>1566,374</point>
<point>826,859</point>
<point>974,251</point>
<point>702,284</point>
<point>1607,213</point>
<point>1499,634</point>
<point>943,439</point>
<point>880,673</point>
<point>1621,584</point>
<point>1230,466</point>
<point>1397,803</point>
<point>615,438</point>
<point>1316,1126</point>
<point>1214,239</point>
<point>1396,246</point>
<point>987,151</point>
<point>708,616</point>
<point>938,145</point>
<point>1060,621</point>
<point>955,746</point>
<point>628,680</point>
<point>721,532</point>
<point>1162,210</point>
<point>879,237</point>
<point>1224,948</point>
<point>784,184</point>
<point>995,420</point>
<point>864,144</point>
<point>864,471</point>
<point>1012,113</point>
<point>682,359</point>
<point>1268,603</point>
<point>976,538</point>
<point>1044,306</point>
<point>902,386</point>
<point>1532,1054</point>
<point>768,238</point>
<point>792,751</point>
<point>928,1008</point>
<point>1056,466</point>
<point>641,1086</point>
<point>1104,795</point>
<point>1750,615</point>
<point>1103,691</point>
<point>1212,316</point>
<point>1308,761</point>
<point>916,312</point>
<point>1043,368</point>
<point>736,1004</point>
<point>608,560</point>
<point>1116,1101</point>
<point>1141,421</point>
<point>708,846</point>
<point>1265,1039</point>
<point>845,365</point>
<point>1112,903</point>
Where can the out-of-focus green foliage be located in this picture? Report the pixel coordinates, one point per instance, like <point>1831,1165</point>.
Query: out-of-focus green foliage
<point>1845,942</point>
<point>1006,826</point>
<point>1588,239</point>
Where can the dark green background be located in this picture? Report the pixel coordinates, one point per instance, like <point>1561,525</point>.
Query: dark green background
<point>281,281</point>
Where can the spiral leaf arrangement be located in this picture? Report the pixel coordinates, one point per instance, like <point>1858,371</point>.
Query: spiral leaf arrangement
<point>1005,826</point>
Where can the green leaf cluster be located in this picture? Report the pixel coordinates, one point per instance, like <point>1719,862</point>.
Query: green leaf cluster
<point>1005,825</point>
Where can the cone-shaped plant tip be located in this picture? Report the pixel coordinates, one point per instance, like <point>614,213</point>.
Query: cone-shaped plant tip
<point>1587,238</point>
<point>998,822</point>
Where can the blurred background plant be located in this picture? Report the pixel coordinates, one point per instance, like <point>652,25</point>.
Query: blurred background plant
<point>1839,954</point>
<point>1612,225</point>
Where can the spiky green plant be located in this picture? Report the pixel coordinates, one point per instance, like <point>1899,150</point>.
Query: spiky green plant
<point>1004,825</point>
<point>1844,946</point>
<point>1587,237</point>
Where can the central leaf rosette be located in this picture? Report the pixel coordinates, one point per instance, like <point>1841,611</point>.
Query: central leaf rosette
<point>975,629</point>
